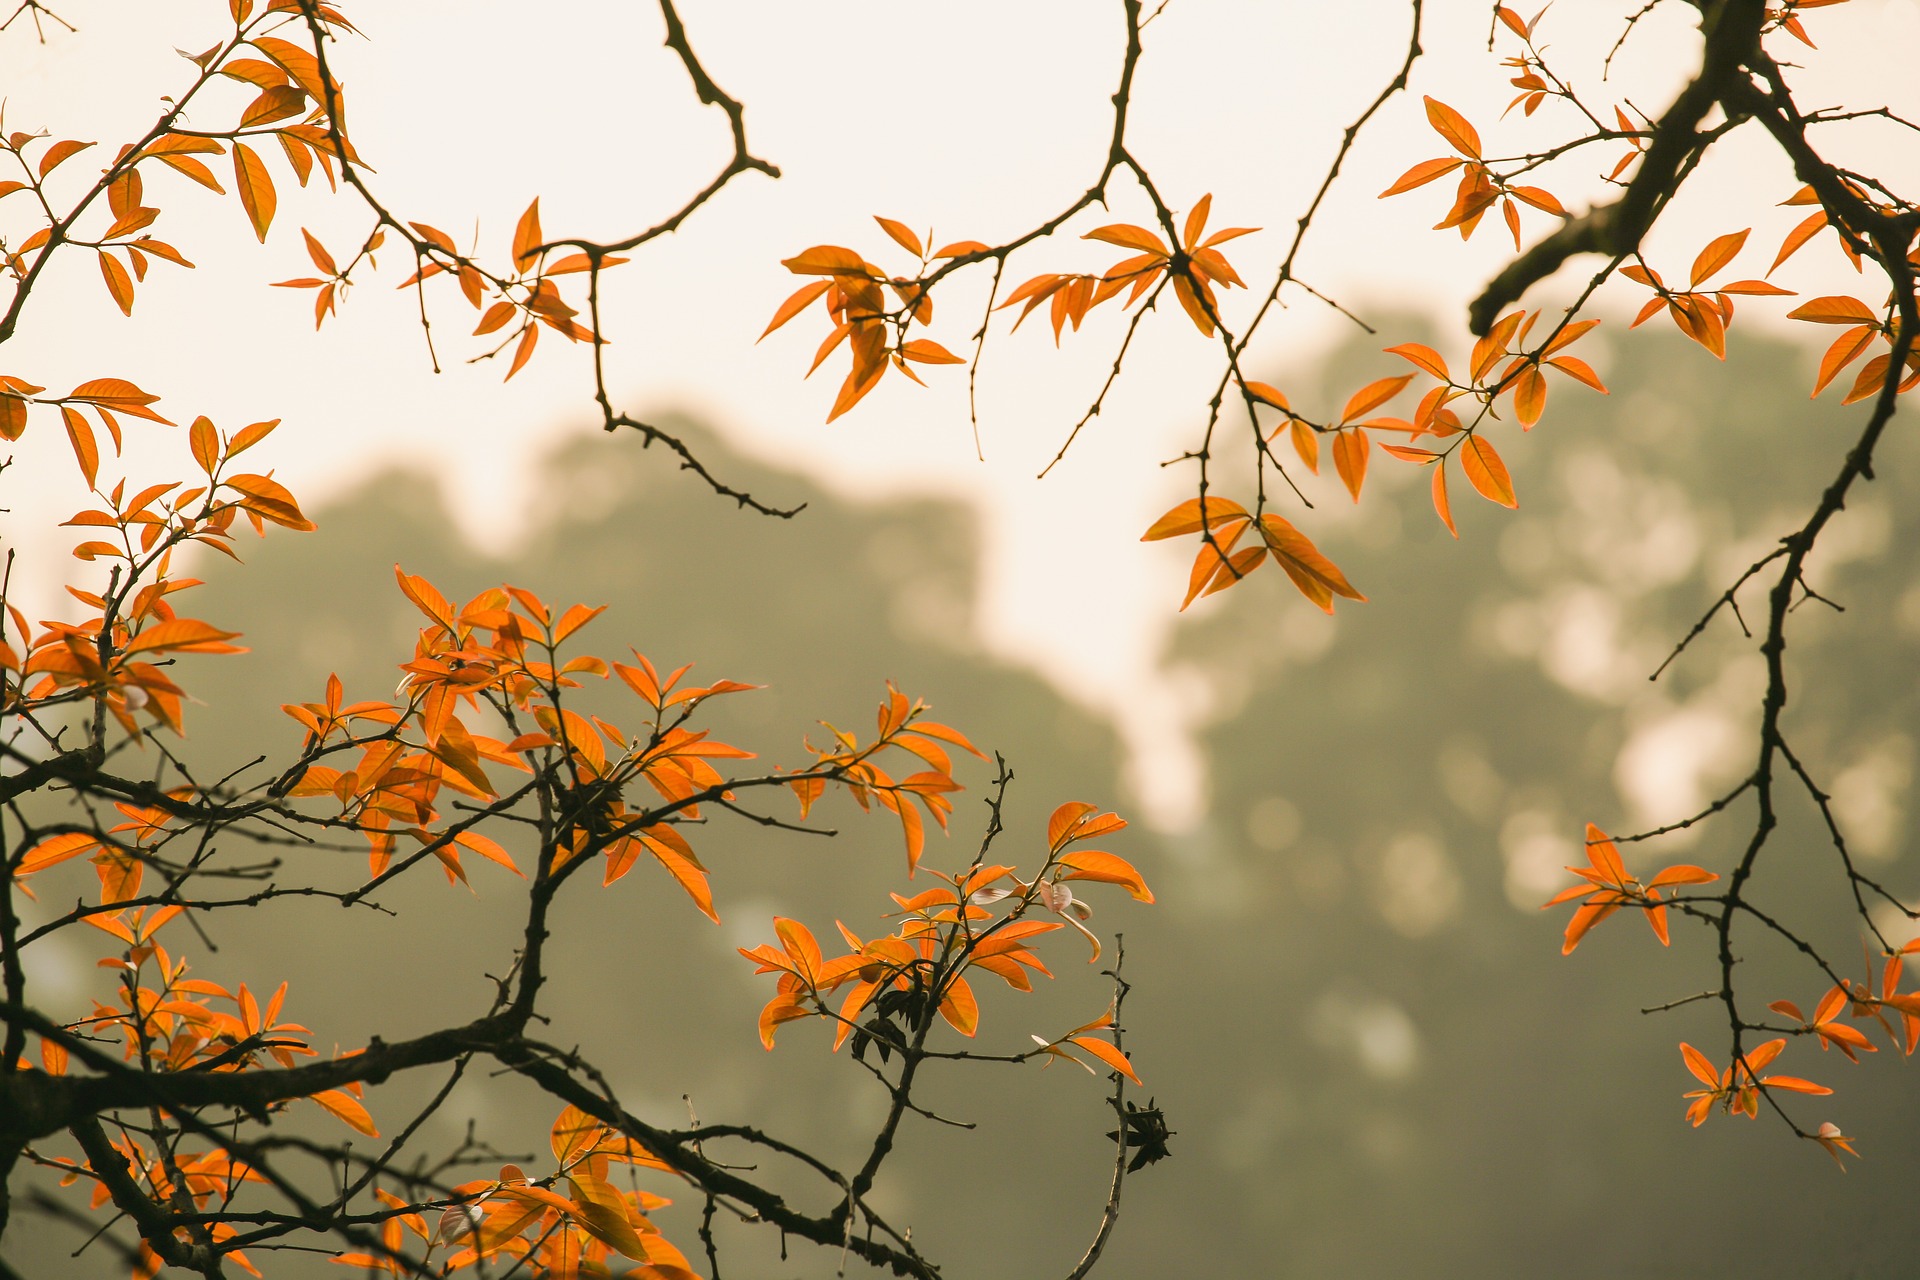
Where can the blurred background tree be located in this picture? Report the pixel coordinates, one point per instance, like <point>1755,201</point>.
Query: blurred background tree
<point>1349,1003</point>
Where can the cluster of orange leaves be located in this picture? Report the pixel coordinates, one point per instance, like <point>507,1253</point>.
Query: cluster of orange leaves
<point>290,109</point>
<point>1480,187</point>
<point>1499,366</point>
<point>978,920</point>
<point>1194,269</point>
<point>854,294</point>
<point>170,1022</point>
<point>63,661</point>
<point>528,1224</point>
<point>528,298</point>
<point>1737,1089</point>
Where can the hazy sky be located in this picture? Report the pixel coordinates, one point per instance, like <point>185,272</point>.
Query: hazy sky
<point>977,119</point>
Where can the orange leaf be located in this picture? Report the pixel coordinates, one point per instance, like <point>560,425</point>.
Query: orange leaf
<point>118,283</point>
<point>1579,370</point>
<point>1453,126</point>
<point>255,188</point>
<point>1373,395</point>
<point>1835,309</point>
<point>826,260</point>
<point>1092,864</point>
<point>902,235</point>
<point>1317,577</point>
<point>1186,518</point>
<point>1847,348</point>
<point>182,635</point>
<point>268,498</point>
<point>85,451</point>
<point>1107,1054</point>
<point>58,153</point>
<point>927,351</point>
<point>1718,254</point>
<point>1529,396</point>
<point>526,236</point>
<point>1798,237</point>
<point>794,305</point>
<point>1128,236</point>
<point>344,1106</point>
<point>1440,503</point>
<point>524,351</point>
<point>959,1007</point>
<point>1350,450</point>
<point>1423,357</point>
<point>1486,472</point>
<point>1421,174</point>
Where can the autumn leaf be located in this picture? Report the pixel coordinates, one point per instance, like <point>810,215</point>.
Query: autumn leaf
<point>255,188</point>
<point>1486,472</point>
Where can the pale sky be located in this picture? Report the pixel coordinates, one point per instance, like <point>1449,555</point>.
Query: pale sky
<point>977,119</point>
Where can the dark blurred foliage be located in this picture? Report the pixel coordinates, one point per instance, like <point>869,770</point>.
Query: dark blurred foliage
<point>1375,1060</point>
